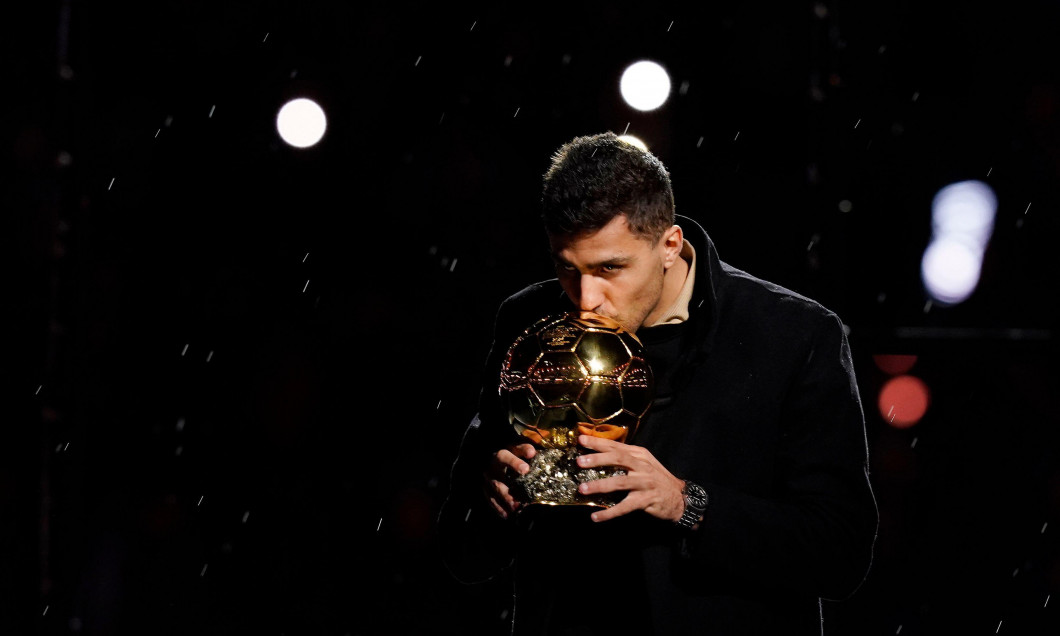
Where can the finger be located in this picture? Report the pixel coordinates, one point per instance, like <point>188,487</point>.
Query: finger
<point>526,451</point>
<point>606,484</point>
<point>506,459</point>
<point>501,512</point>
<point>616,459</point>
<point>503,493</point>
<point>621,508</point>
<point>599,443</point>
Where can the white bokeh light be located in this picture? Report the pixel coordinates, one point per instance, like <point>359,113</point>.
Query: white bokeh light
<point>301,122</point>
<point>634,141</point>
<point>965,210</point>
<point>950,269</point>
<point>645,85</point>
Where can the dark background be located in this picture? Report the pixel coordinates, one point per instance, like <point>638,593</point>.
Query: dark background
<point>236,373</point>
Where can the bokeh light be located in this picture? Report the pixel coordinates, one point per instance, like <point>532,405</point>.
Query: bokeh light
<point>301,122</point>
<point>903,401</point>
<point>950,270</point>
<point>893,363</point>
<point>962,221</point>
<point>635,141</point>
<point>964,210</point>
<point>645,85</point>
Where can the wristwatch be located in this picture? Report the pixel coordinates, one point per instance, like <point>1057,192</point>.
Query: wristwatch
<point>695,505</point>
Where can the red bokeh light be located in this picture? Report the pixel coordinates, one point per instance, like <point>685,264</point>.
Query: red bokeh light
<point>903,401</point>
<point>894,364</point>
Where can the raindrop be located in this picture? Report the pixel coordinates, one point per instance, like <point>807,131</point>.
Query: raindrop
<point>39,387</point>
<point>246,515</point>
<point>209,355</point>
<point>211,111</point>
<point>201,497</point>
<point>185,350</point>
<point>699,143</point>
<point>203,572</point>
<point>112,179</point>
<point>379,525</point>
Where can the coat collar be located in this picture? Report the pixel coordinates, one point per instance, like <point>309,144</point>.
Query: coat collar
<point>704,309</point>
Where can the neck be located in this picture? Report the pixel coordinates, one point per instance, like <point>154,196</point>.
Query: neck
<point>673,281</point>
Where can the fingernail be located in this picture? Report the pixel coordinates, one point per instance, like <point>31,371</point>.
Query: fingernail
<point>594,517</point>
<point>583,488</point>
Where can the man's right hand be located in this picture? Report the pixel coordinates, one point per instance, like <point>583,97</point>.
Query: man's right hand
<point>503,467</point>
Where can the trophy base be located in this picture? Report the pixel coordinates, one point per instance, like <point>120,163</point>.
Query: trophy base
<point>554,477</point>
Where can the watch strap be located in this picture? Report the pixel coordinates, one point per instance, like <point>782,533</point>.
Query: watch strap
<point>695,505</point>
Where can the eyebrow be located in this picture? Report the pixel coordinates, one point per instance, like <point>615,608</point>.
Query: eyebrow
<point>614,261</point>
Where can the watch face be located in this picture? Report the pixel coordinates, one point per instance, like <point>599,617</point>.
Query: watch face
<point>696,495</point>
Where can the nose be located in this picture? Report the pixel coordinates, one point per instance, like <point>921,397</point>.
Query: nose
<point>590,293</point>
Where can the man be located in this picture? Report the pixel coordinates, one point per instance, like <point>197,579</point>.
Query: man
<point>747,497</point>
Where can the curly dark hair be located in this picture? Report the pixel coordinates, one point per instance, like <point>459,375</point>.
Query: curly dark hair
<point>595,178</point>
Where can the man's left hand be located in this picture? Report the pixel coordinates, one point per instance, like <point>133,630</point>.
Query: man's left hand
<point>651,487</point>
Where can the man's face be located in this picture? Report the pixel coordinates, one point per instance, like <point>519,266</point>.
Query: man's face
<point>614,272</point>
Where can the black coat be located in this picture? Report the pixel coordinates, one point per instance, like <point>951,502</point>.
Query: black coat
<point>757,402</point>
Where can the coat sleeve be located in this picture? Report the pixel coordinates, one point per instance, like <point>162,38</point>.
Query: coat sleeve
<point>817,533</point>
<point>475,543</point>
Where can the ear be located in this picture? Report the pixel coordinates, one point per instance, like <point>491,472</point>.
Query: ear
<point>671,242</point>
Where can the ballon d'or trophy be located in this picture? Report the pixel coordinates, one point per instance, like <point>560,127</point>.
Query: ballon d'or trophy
<point>570,374</point>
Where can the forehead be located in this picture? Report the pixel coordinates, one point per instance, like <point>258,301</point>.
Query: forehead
<point>614,240</point>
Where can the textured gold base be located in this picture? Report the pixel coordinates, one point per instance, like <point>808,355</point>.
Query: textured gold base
<point>554,477</point>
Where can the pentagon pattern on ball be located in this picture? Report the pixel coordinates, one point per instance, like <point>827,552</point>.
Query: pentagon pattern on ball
<point>575,373</point>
